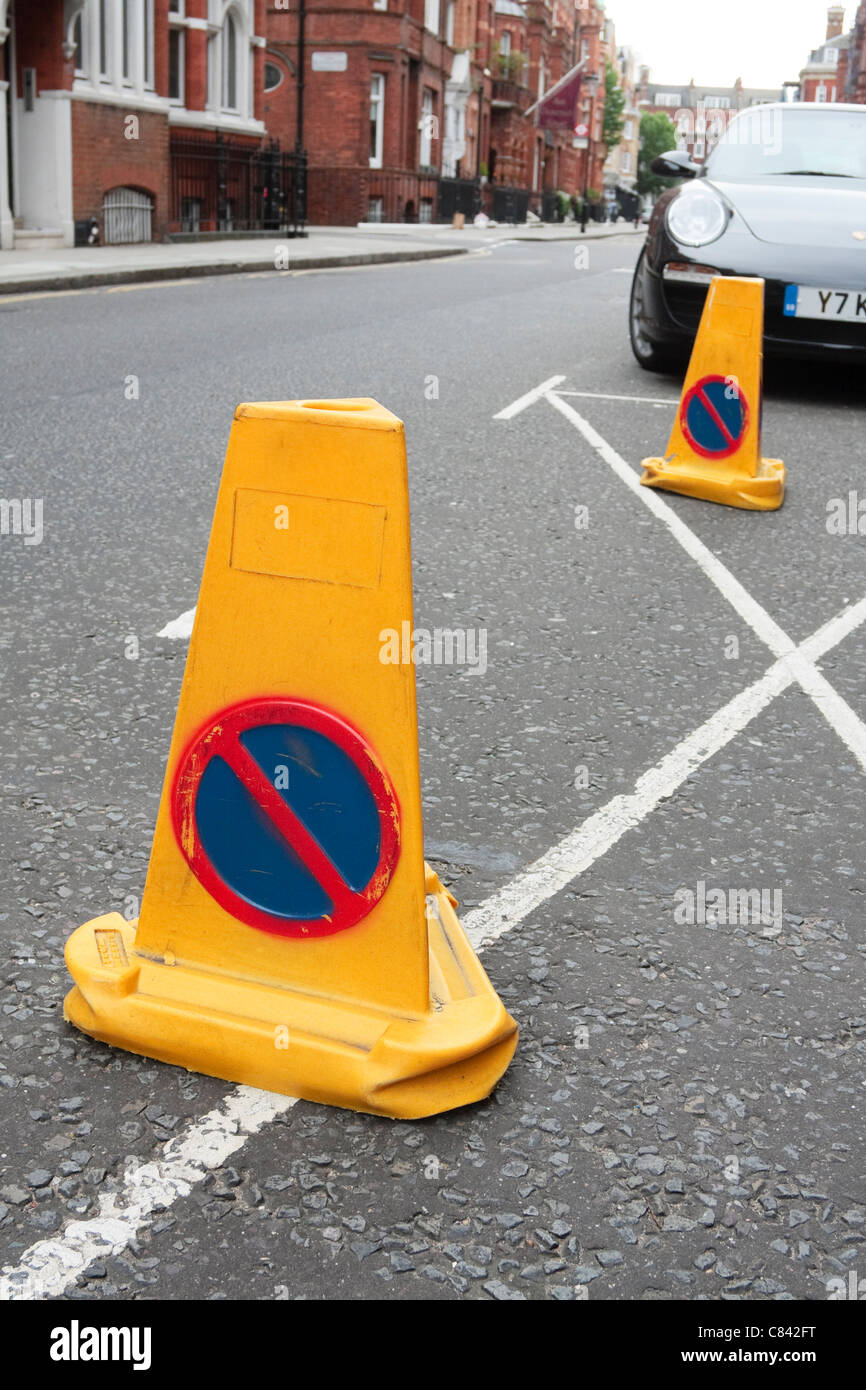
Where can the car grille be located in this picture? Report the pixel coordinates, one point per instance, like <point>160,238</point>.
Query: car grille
<point>685,303</point>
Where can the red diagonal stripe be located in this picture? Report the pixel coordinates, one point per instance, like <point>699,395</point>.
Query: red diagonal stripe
<point>711,411</point>
<point>292,829</point>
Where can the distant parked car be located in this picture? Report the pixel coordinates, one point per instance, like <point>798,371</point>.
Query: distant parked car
<point>783,197</point>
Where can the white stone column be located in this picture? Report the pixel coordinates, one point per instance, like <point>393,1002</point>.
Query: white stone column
<point>7,226</point>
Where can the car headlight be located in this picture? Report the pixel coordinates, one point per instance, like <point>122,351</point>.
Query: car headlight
<point>696,217</point>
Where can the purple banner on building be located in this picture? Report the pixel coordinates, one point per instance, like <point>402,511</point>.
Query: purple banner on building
<point>558,109</point>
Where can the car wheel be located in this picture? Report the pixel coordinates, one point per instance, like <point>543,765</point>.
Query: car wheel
<point>649,355</point>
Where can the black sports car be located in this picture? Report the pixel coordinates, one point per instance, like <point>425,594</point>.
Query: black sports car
<point>782,196</point>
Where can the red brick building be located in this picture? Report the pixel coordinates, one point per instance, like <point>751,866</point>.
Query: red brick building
<point>824,77</point>
<point>402,97</point>
<point>96,93</point>
<point>136,119</point>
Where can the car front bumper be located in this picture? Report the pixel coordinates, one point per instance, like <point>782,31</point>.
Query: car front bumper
<point>672,307</point>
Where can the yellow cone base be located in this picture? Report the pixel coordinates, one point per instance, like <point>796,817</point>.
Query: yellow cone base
<point>694,478</point>
<point>329,1050</point>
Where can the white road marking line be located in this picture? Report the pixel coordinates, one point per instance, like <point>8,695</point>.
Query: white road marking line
<point>838,713</point>
<point>529,399</point>
<point>179,629</point>
<point>603,396</point>
<point>574,854</point>
<point>49,1266</point>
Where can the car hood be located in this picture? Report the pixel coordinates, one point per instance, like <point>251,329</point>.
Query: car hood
<point>801,211</point>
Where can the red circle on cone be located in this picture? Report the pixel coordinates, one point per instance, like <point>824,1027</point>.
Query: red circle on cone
<point>276,825</point>
<point>703,425</point>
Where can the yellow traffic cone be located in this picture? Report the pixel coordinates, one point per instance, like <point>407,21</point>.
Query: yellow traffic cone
<point>291,936</point>
<point>715,446</point>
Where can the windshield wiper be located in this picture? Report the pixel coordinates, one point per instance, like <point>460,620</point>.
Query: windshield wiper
<point>813,173</point>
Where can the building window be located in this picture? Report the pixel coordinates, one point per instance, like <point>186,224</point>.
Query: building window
<point>449,23</point>
<point>431,16</point>
<point>377,112</point>
<point>125,19</point>
<point>230,63</point>
<point>273,77</point>
<point>376,209</point>
<point>428,127</point>
<point>628,132</point>
<point>380,4</point>
<point>821,93</point>
<point>190,214</point>
<point>78,40</point>
<point>175,64</point>
<point>147,40</point>
<point>625,163</point>
<point>103,38</point>
<point>584,50</point>
<point>505,43</point>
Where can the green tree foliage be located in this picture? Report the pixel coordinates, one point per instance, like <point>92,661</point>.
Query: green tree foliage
<point>657,136</point>
<point>613,121</point>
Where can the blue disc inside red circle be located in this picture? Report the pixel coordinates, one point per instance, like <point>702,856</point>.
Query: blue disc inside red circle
<point>286,817</point>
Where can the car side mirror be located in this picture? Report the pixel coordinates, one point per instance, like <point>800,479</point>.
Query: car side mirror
<point>675,164</point>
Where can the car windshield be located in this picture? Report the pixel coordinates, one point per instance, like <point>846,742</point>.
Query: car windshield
<point>769,142</point>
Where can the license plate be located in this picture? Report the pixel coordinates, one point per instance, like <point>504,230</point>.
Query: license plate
<point>804,302</point>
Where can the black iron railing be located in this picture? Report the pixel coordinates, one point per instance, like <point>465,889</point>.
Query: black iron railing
<point>224,186</point>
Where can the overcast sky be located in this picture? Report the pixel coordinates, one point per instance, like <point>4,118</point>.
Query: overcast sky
<point>766,42</point>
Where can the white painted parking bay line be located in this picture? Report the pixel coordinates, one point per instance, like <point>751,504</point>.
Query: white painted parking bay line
<point>51,1265</point>
<point>604,396</point>
<point>179,629</point>
<point>574,854</point>
<point>838,713</point>
<point>529,399</point>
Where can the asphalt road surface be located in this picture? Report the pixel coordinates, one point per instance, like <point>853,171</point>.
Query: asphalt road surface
<point>683,1117</point>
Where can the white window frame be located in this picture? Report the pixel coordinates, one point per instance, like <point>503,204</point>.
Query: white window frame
<point>431,16</point>
<point>380,4</point>
<point>230,64</point>
<point>126,23</point>
<point>425,144</point>
<point>505,43</point>
<point>377,101</point>
<point>180,34</point>
<point>241,12</point>
<point>449,22</point>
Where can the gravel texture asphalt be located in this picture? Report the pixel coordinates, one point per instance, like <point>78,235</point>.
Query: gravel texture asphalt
<point>684,1115</point>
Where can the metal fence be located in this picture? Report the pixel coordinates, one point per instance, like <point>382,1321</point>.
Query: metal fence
<point>458,195</point>
<point>509,204</point>
<point>223,186</point>
<point>127,215</point>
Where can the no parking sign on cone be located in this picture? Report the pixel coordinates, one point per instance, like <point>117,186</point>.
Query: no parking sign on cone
<point>291,936</point>
<point>715,445</point>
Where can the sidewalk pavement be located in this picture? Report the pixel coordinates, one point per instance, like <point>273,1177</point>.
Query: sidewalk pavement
<point>73,268</point>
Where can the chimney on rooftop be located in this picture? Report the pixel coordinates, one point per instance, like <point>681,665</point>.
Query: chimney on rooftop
<point>835,21</point>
